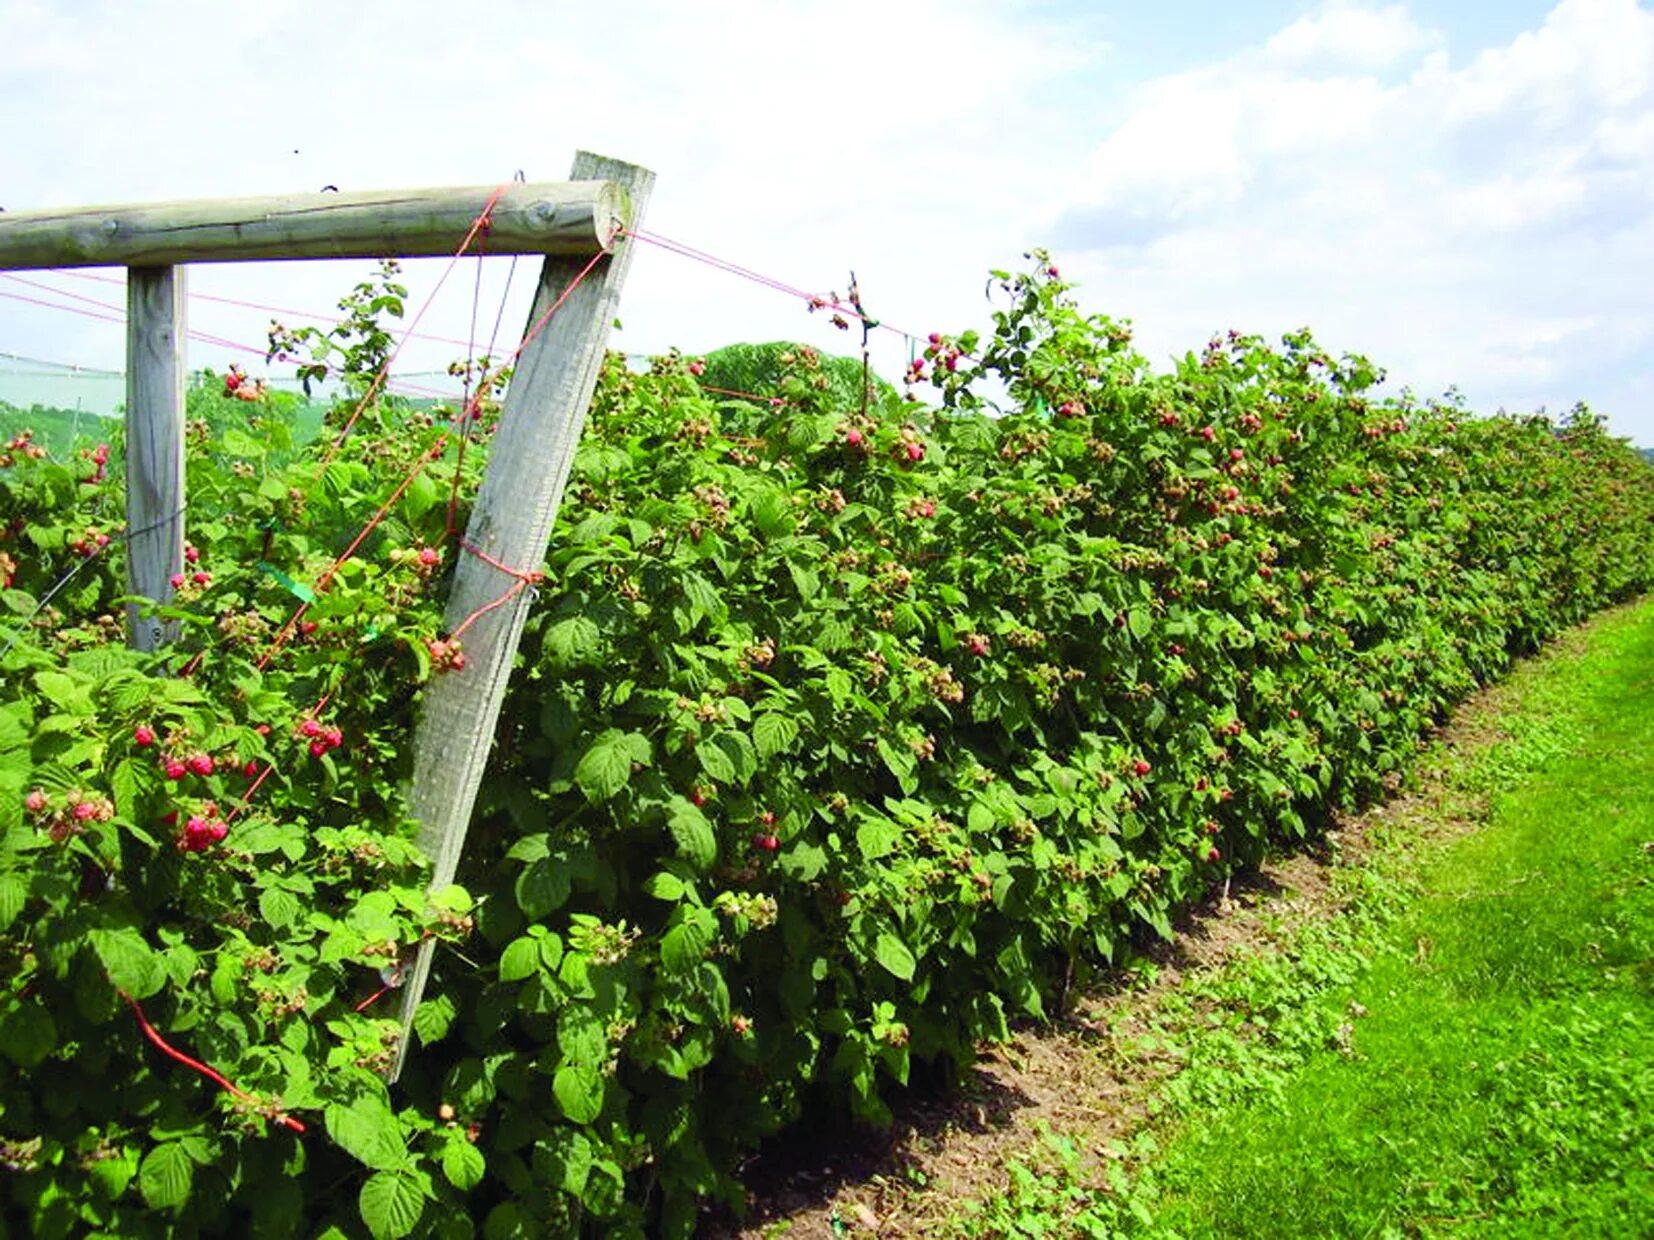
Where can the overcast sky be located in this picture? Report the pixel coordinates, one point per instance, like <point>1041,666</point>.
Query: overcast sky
<point>1463,191</point>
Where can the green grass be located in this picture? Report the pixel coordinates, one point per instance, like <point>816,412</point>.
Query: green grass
<point>1501,1079</point>
<point>1468,1050</point>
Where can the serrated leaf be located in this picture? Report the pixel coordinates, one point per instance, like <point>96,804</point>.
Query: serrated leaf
<point>14,894</point>
<point>28,1034</point>
<point>772,512</point>
<point>130,962</point>
<point>111,1175</point>
<point>606,767</point>
<point>13,734</point>
<point>686,943</point>
<point>715,762</point>
<point>701,595</point>
<point>520,959</point>
<point>894,955</point>
<point>279,907</point>
<point>877,837</point>
<point>391,1203</point>
<point>774,733</point>
<point>664,886</point>
<point>369,1131</point>
<point>693,834</point>
<point>432,1018</point>
<point>582,1036</point>
<point>166,1176</point>
<point>463,1164</point>
<point>542,887</point>
<point>803,862</point>
<point>578,1089</point>
<point>573,642</point>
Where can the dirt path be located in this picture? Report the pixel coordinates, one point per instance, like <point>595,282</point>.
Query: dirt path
<point>1088,1076</point>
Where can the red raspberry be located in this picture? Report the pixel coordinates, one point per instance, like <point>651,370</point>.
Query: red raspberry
<point>143,735</point>
<point>35,802</point>
<point>174,769</point>
<point>310,728</point>
<point>318,748</point>
<point>200,763</point>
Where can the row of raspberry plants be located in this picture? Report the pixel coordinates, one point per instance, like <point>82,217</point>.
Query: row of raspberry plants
<point>842,735</point>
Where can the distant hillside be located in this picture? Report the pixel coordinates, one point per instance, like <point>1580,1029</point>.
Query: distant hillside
<point>1647,454</point>
<point>54,429</point>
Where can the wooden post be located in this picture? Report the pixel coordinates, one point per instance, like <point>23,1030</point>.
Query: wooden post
<point>547,218</point>
<point>155,334</point>
<point>545,410</point>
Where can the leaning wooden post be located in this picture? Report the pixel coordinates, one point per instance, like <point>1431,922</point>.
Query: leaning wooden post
<point>155,334</point>
<point>511,523</point>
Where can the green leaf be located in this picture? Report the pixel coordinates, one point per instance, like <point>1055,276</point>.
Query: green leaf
<point>803,862</point>
<point>520,959</point>
<point>14,894</point>
<point>664,886</point>
<point>166,1176</point>
<point>573,642</point>
<point>715,762</point>
<point>463,1164</point>
<point>369,1131</point>
<point>13,733</point>
<point>111,1175</point>
<point>877,837</point>
<point>131,964</point>
<point>280,908</point>
<point>774,733</point>
<point>542,887</point>
<point>692,833</point>
<point>686,943</point>
<point>702,597</point>
<point>894,955</point>
<point>772,512</point>
<point>391,1203</point>
<point>432,1018</point>
<point>606,767</point>
<point>579,1092</point>
<point>28,1034</point>
<point>582,1036</point>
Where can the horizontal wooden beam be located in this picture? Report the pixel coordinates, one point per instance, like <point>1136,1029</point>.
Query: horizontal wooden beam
<point>562,217</point>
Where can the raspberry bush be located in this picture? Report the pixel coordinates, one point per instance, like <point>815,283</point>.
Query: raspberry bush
<point>844,733</point>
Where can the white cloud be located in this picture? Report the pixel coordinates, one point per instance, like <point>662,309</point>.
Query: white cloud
<point>1348,36</point>
<point>1488,224</point>
<point>1478,219</point>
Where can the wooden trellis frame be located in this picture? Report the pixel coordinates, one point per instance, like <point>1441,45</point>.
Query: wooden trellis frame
<point>570,223</point>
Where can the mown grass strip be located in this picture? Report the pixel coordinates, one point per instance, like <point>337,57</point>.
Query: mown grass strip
<point>1469,1052</point>
<point>1501,1081</point>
